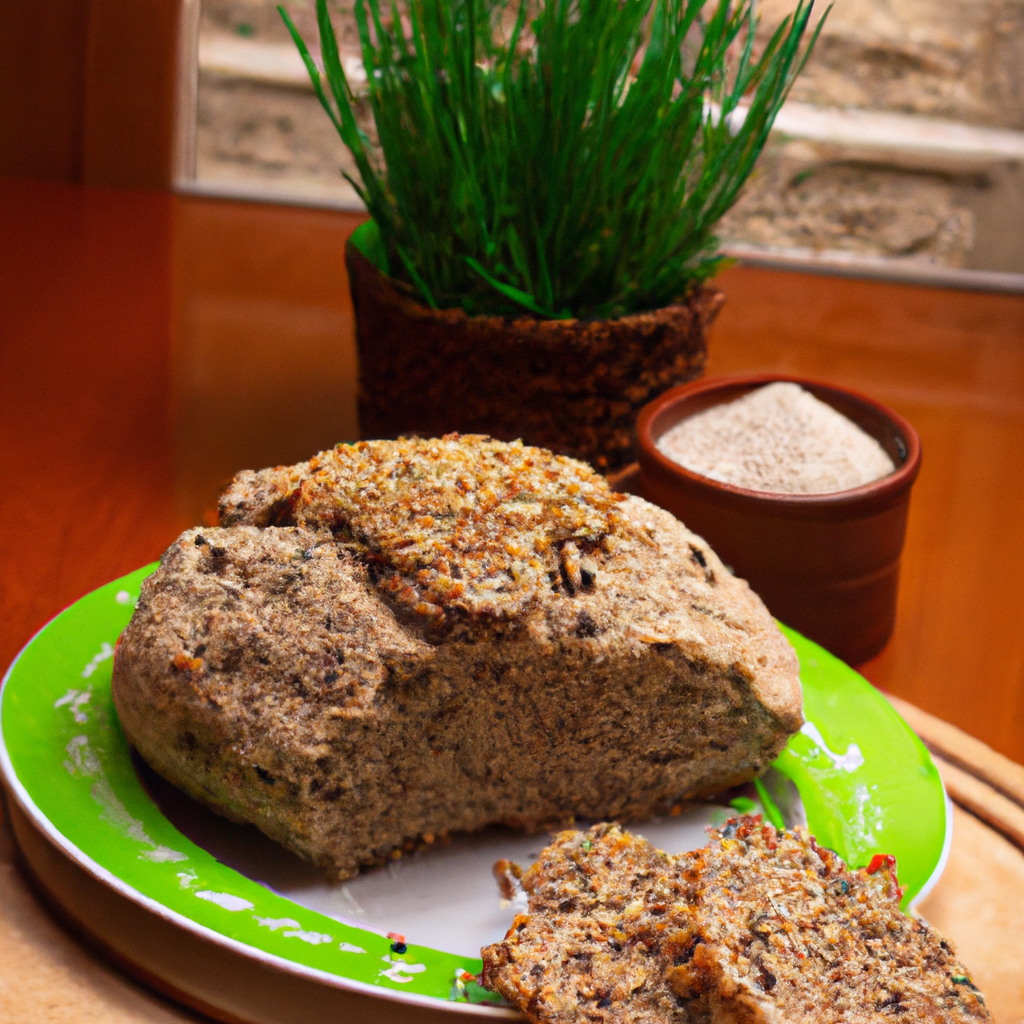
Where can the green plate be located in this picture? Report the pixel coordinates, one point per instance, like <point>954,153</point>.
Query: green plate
<point>865,781</point>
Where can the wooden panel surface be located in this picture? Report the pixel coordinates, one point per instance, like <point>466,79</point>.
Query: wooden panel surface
<point>130,92</point>
<point>88,90</point>
<point>85,431</point>
<point>264,351</point>
<point>42,70</point>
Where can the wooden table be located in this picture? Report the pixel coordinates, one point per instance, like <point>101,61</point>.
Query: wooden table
<point>151,345</point>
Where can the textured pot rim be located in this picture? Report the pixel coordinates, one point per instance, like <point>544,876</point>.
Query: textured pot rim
<point>849,504</point>
<point>355,256</point>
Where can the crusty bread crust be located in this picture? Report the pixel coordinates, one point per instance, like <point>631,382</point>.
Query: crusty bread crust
<point>759,927</point>
<point>403,638</point>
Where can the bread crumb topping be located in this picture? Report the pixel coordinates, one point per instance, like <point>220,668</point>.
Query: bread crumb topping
<point>463,521</point>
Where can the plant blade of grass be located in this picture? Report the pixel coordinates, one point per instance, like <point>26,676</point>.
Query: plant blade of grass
<point>560,155</point>
<point>515,294</point>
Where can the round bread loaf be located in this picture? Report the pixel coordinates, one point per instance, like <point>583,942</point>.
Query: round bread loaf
<point>399,639</point>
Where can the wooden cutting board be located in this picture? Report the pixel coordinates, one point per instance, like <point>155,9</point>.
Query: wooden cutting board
<point>979,901</point>
<point>48,977</point>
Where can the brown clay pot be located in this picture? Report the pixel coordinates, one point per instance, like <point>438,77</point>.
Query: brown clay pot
<point>574,386</point>
<point>825,564</point>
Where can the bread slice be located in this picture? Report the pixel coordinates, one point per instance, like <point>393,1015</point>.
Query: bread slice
<point>760,927</point>
<point>403,638</point>
<point>606,912</point>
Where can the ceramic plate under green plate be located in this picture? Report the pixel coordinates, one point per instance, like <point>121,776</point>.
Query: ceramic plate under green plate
<point>866,783</point>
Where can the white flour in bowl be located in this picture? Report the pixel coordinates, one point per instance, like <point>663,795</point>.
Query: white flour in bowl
<point>778,438</point>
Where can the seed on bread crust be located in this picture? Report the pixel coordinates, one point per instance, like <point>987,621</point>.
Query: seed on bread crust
<point>513,519</point>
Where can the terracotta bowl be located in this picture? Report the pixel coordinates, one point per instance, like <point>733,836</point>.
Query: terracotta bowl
<point>826,564</point>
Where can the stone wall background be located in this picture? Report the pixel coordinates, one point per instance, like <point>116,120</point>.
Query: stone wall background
<point>961,60</point>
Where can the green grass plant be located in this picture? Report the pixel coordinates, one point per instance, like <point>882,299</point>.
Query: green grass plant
<point>562,157</point>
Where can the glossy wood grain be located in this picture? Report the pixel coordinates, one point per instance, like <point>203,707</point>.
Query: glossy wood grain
<point>264,356</point>
<point>41,114</point>
<point>88,90</point>
<point>86,456</point>
<point>130,93</point>
<point>150,346</point>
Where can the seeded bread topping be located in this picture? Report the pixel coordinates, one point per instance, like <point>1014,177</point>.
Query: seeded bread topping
<point>762,926</point>
<point>403,638</point>
<point>456,524</point>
